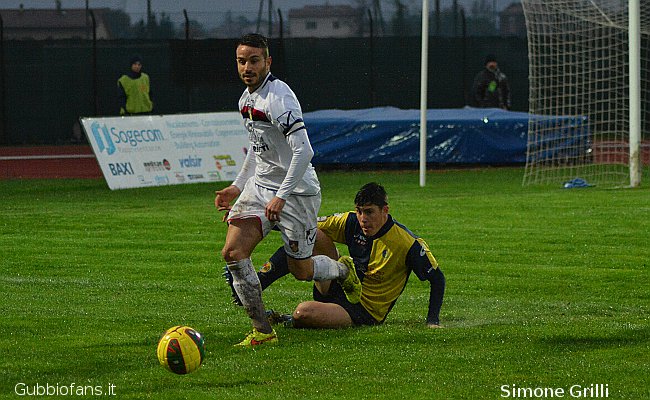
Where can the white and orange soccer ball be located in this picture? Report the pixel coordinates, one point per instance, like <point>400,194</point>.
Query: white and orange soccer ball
<point>181,350</point>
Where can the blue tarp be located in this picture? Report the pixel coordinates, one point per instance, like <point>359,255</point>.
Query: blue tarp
<point>390,135</point>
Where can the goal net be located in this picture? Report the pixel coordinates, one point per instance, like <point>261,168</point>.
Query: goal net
<point>579,73</point>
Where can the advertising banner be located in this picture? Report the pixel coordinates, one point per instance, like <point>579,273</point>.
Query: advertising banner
<point>156,150</point>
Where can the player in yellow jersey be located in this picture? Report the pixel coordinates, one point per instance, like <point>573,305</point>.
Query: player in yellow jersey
<point>384,253</point>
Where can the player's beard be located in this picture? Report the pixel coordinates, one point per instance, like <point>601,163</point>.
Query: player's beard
<point>254,80</point>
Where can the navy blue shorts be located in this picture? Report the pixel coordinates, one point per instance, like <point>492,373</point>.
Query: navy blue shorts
<point>359,315</point>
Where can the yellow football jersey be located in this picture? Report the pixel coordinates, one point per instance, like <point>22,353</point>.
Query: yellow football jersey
<point>384,262</point>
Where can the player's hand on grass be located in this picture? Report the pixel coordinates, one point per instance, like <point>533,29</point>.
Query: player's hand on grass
<point>274,208</point>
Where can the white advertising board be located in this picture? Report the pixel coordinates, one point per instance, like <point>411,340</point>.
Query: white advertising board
<point>156,150</point>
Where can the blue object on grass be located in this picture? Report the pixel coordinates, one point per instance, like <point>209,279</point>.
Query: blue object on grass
<point>576,183</point>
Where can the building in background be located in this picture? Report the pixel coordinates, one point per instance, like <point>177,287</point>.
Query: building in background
<point>57,23</point>
<point>325,21</point>
<point>512,21</point>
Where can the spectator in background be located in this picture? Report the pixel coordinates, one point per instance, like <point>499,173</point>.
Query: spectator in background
<point>491,88</point>
<point>134,90</point>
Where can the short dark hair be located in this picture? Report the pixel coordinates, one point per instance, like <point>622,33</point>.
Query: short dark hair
<point>135,59</point>
<point>371,193</point>
<point>255,40</point>
<point>490,58</point>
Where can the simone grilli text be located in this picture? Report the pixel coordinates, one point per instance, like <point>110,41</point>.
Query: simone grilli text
<point>592,391</point>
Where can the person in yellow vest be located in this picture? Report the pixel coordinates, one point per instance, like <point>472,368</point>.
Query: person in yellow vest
<point>134,90</point>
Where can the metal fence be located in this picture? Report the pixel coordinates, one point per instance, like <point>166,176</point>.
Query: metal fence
<point>47,85</point>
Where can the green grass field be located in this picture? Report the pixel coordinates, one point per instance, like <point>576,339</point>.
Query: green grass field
<point>546,288</point>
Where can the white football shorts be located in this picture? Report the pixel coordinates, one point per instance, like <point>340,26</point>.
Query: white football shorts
<point>297,223</point>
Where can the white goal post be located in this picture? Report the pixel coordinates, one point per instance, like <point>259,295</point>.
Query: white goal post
<point>589,76</point>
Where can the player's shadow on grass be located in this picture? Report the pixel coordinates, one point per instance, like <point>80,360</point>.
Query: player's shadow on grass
<point>630,337</point>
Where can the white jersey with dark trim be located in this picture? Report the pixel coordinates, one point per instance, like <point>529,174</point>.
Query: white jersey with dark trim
<point>278,139</point>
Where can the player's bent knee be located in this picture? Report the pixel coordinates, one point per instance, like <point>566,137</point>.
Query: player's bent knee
<point>303,313</point>
<point>313,314</point>
<point>230,254</point>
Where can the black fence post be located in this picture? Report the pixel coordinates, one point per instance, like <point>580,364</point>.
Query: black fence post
<point>454,7</point>
<point>4,136</point>
<point>281,50</point>
<point>259,16</point>
<point>438,21</point>
<point>373,90</point>
<point>186,57</point>
<point>281,25</point>
<point>270,18</point>
<point>95,95</point>
<point>464,55</point>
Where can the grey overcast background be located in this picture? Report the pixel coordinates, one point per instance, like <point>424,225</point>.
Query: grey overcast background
<point>210,13</point>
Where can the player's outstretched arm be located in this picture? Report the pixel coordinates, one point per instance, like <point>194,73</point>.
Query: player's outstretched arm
<point>437,280</point>
<point>425,266</point>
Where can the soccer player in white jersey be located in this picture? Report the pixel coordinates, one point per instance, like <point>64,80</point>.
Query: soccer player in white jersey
<point>277,188</point>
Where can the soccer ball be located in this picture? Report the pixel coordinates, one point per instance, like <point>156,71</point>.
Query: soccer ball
<point>181,350</point>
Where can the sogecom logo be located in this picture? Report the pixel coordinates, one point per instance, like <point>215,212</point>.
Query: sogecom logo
<point>102,138</point>
<point>106,138</point>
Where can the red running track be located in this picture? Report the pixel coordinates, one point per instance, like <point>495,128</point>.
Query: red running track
<point>48,162</point>
<point>78,161</point>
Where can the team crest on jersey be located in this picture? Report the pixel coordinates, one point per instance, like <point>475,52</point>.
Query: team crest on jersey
<point>360,239</point>
<point>294,246</point>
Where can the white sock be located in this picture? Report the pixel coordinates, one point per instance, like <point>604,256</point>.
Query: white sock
<point>248,288</point>
<point>326,269</point>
